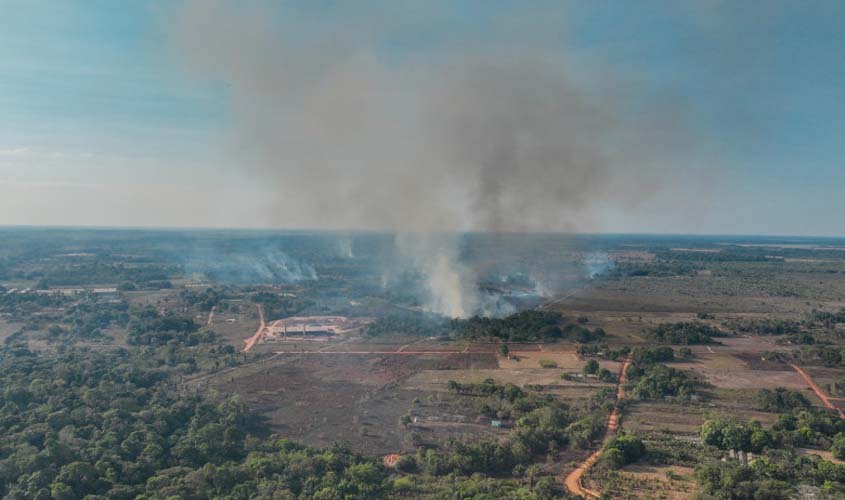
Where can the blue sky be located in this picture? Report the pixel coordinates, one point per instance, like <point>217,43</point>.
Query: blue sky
<point>102,124</point>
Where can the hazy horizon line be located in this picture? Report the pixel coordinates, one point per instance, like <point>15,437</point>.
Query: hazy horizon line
<point>388,231</point>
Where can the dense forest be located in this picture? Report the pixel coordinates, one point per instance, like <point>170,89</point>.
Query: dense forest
<point>124,423</point>
<point>115,424</point>
<point>524,326</point>
<point>685,332</point>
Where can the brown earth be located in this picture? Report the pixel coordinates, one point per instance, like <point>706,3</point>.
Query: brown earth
<point>357,399</point>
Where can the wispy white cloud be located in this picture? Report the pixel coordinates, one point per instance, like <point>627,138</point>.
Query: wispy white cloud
<point>12,152</point>
<point>18,151</point>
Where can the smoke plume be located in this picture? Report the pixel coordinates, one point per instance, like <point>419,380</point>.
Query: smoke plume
<point>350,134</point>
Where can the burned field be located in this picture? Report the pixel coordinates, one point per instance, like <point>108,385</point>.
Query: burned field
<point>356,399</point>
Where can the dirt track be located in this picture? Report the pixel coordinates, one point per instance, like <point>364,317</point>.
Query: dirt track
<point>818,390</point>
<point>250,342</point>
<point>573,480</point>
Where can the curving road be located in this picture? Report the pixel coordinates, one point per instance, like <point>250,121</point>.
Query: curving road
<point>573,480</point>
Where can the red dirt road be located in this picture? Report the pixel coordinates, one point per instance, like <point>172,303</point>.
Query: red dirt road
<point>250,342</point>
<point>573,480</point>
<point>818,390</point>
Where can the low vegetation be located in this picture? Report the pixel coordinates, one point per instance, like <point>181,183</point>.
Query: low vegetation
<point>643,356</point>
<point>776,469</point>
<point>685,333</point>
<point>781,400</point>
<point>824,355</point>
<point>765,326</point>
<point>522,326</point>
<point>603,351</point>
<point>660,382</point>
<point>547,363</point>
<point>541,425</point>
<point>621,450</point>
<point>413,324</point>
<point>773,476</point>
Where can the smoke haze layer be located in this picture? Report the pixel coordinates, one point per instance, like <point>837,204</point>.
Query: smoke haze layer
<point>348,135</point>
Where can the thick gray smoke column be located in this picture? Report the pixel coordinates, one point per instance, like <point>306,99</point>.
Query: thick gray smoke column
<point>424,145</point>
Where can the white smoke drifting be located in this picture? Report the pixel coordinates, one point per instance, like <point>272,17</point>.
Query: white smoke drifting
<point>248,265</point>
<point>423,144</point>
<point>345,247</point>
<point>598,263</point>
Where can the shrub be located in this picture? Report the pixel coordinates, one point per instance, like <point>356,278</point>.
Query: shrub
<point>781,400</point>
<point>592,367</point>
<point>406,463</point>
<point>605,375</point>
<point>645,356</point>
<point>838,446</point>
<point>727,435</point>
<point>658,381</point>
<point>403,484</point>
<point>522,326</point>
<point>630,447</point>
<point>613,458</point>
<point>685,332</point>
<point>547,363</point>
<point>583,335</point>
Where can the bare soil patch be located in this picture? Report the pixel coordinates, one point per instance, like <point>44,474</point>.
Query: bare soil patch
<point>354,399</point>
<point>663,417</point>
<point>733,372</point>
<point>820,453</point>
<point>564,360</point>
<point>437,380</point>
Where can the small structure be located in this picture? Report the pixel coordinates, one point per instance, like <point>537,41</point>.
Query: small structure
<point>312,327</point>
<point>110,292</point>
